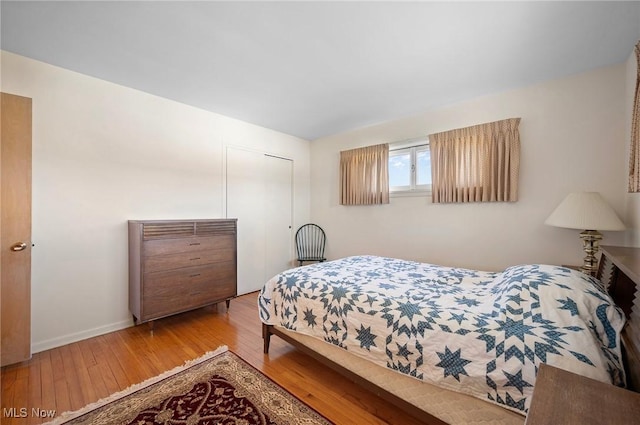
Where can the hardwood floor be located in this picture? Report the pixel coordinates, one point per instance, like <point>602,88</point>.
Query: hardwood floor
<point>69,377</point>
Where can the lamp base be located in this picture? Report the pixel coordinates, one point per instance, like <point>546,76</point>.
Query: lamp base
<point>591,245</point>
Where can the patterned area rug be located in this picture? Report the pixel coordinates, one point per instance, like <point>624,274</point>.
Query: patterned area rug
<point>217,388</point>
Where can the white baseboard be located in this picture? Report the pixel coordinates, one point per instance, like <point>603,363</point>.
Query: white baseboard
<point>39,346</point>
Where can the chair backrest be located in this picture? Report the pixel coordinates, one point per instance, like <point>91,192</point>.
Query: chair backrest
<point>310,241</point>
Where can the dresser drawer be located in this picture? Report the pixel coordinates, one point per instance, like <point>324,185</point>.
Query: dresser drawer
<point>186,259</point>
<point>193,244</point>
<point>183,289</point>
<point>222,287</point>
<point>165,302</point>
<point>178,280</point>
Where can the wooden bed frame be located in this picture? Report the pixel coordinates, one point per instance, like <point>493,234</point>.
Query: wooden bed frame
<point>619,270</point>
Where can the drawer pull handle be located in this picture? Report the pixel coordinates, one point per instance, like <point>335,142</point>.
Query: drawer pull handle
<point>195,243</point>
<point>192,259</point>
<point>194,275</point>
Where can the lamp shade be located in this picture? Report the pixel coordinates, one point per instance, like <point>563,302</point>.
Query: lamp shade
<point>585,211</point>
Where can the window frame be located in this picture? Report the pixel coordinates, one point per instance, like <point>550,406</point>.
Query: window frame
<point>413,147</point>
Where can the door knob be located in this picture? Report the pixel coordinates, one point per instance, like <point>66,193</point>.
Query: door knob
<point>20,246</point>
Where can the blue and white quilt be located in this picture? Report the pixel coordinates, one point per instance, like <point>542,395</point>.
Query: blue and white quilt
<point>480,333</point>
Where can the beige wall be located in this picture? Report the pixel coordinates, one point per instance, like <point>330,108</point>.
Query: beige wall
<point>573,138</point>
<point>104,154</point>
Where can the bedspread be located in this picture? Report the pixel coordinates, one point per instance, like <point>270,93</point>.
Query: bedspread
<point>480,333</point>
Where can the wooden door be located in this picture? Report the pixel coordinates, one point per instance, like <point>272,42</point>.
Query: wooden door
<point>15,228</point>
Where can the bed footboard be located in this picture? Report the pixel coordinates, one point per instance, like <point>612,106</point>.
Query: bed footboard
<point>421,415</point>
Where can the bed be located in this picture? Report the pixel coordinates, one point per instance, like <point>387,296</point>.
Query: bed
<point>448,345</point>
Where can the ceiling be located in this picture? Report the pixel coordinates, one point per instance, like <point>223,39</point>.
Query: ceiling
<point>313,69</point>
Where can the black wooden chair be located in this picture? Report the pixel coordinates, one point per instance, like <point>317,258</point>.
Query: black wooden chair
<point>310,241</point>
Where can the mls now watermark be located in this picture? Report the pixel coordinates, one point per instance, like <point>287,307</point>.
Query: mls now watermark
<point>23,412</point>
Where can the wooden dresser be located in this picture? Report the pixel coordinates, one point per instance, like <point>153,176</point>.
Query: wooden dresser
<point>180,265</point>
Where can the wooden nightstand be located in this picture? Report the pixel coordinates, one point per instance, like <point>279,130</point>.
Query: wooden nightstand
<point>562,397</point>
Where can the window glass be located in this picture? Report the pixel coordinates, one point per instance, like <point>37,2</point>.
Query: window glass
<point>423,165</point>
<point>399,169</point>
<point>410,167</point>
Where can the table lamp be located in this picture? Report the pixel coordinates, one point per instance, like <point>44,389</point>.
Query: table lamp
<point>590,212</point>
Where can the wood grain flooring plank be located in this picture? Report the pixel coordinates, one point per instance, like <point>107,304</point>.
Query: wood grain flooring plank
<point>57,364</point>
<point>111,365</point>
<point>101,367</point>
<point>47,381</point>
<point>125,353</point>
<point>35,387</point>
<point>71,376</point>
<point>63,400</point>
<point>20,399</point>
<point>84,379</point>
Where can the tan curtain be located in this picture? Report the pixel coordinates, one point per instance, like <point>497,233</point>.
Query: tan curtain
<point>476,164</point>
<point>364,176</point>
<point>634,155</point>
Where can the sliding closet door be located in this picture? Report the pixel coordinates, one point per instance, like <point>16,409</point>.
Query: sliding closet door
<point>245,199</point>
<point>277,209</point>
<point>259,195</point>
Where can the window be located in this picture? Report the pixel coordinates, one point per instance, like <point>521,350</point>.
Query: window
<point>410,167</point>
